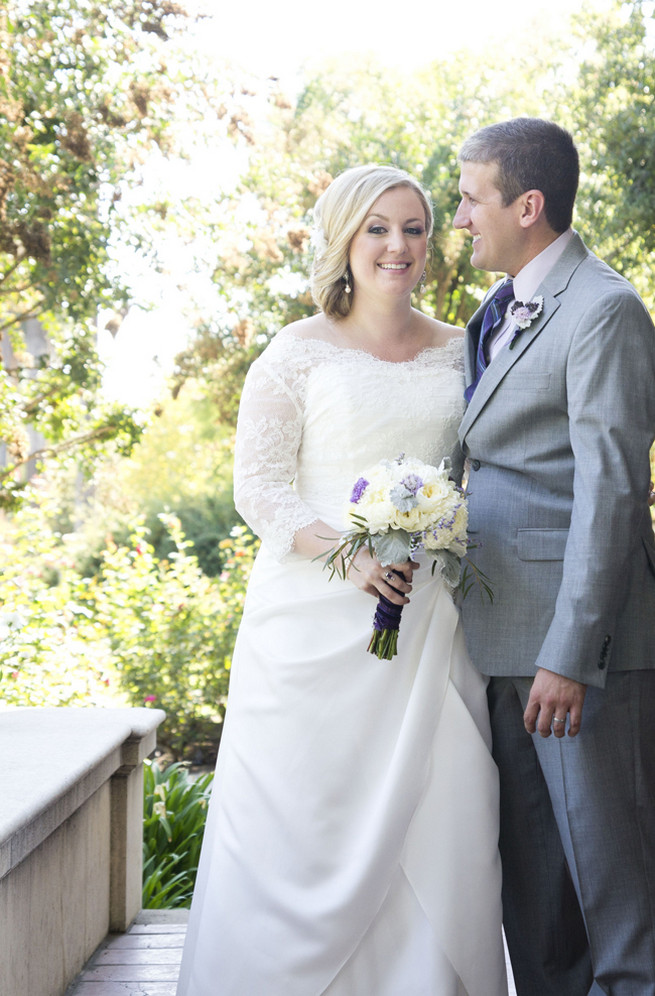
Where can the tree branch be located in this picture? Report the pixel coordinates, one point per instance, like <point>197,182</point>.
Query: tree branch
<point>49,451</point>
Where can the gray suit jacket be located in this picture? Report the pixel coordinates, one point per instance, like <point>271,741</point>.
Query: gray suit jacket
<point>558,435</point>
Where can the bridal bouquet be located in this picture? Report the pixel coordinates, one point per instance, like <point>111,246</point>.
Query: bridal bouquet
<point>397,509</point>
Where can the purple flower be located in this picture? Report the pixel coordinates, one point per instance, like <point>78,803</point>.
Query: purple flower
<point>403,495</point>
<point>413,483</point>
<point>358,490</point>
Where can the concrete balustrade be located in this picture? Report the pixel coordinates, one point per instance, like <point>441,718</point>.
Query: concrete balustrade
<point>71,830</point>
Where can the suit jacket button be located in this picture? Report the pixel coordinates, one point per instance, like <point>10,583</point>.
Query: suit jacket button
<point>475,464</point>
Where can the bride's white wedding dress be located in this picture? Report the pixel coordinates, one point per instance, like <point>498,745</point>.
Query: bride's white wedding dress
<point>351,842</point>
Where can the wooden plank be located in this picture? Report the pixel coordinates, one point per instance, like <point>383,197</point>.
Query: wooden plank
<point>124,989</point>
<point>146,941</point>
<point>131,973</point>
<point>127,956</point>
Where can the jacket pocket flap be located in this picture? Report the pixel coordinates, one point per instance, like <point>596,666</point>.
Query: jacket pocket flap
<point>542,544</point>
<point>530,381</point>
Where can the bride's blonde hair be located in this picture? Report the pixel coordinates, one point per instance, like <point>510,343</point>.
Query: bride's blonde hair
<point>338,214</point>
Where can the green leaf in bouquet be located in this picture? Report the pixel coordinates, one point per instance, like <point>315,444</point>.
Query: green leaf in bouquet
<point>472,575</point>
<point>393,547</point>
<point>449,566</point>
<point>340,557</point>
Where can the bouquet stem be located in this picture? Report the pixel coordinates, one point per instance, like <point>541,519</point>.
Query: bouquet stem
<point>386,623</point>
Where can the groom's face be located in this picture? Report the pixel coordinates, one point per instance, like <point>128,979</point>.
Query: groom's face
<point>496,230</point>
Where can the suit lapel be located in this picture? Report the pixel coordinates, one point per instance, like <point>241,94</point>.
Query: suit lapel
<point>553,285</point>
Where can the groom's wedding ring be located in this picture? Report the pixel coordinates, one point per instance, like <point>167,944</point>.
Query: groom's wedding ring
<point>388,575</point>
<point>556,720</point>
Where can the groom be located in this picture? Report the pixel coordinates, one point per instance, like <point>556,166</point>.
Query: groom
<point>560,421</point>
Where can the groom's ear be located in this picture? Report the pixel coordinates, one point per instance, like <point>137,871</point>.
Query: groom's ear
<point>533,204</point>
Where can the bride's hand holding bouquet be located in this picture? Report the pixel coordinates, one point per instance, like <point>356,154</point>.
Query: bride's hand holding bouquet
<point>394,581</point>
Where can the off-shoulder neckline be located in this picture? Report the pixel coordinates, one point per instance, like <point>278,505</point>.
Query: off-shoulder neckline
<point>363,352</point>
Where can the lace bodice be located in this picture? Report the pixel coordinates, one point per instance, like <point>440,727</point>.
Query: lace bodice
<point>313,416</point>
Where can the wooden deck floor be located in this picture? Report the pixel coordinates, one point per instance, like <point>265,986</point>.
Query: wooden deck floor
<point>145,961</point>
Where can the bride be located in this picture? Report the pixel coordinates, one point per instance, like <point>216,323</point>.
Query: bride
<point>351,841</point>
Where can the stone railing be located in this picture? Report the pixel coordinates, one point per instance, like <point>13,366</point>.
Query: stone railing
<point>71,830</point>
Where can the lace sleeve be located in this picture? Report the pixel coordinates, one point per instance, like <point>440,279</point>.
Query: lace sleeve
<point>269,431</point>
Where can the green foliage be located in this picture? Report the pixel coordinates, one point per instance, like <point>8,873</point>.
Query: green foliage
<point>50,650</point>
<point>174,813</point>
<point>69,118</point>
<point>187,450</point>
<point>221,362</point>
<point>205,521</point>
<point>181,465</point>
<point>171,630</point>
<point>142,631</point>
<point>86,97</point>
<point>81,100</point>
<point>614,118</point>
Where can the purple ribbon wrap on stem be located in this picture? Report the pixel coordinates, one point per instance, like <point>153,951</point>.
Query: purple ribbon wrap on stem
<point>386,624</point>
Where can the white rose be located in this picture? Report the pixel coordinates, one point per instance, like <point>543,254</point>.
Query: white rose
<point>451,536</point>
<point>410,520</point>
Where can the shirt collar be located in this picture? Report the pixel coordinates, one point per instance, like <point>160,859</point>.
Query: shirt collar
<point>528,279</point>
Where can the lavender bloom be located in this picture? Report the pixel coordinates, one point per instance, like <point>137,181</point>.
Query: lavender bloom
<point>358,490</point>
<point>404,494</point>
<point>413,483</point>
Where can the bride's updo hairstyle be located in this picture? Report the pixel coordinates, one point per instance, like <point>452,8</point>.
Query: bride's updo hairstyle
<point>338,215</point>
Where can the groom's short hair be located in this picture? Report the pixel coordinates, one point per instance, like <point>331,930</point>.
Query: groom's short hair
<point>531,154</point>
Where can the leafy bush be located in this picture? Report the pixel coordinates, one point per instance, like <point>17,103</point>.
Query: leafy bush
<point>172,630</point>
<point>141,631</point>
<point>51,653</point>
<point>174,813</point>
<point>205,520</point>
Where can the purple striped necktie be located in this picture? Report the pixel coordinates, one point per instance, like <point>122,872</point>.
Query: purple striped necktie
<point>493,316</point>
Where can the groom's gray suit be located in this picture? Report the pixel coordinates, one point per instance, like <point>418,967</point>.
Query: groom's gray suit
<point>558,434</point>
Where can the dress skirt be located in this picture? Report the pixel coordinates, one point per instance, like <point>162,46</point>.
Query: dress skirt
<point>351,841</point>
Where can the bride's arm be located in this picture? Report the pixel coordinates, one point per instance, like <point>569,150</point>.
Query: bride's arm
<point>269,433</point>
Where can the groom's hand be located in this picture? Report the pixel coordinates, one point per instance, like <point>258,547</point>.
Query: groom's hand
<point>554,697</point>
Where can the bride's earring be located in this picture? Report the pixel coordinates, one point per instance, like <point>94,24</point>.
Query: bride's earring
<point>421,283</point>
<point>346,282</point>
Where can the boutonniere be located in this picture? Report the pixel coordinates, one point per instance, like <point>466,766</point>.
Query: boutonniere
<point>523,315</point>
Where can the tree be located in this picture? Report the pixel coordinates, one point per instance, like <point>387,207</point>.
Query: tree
<point>182,465</point>
<point>83,98</point>
<point>614,120</point>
